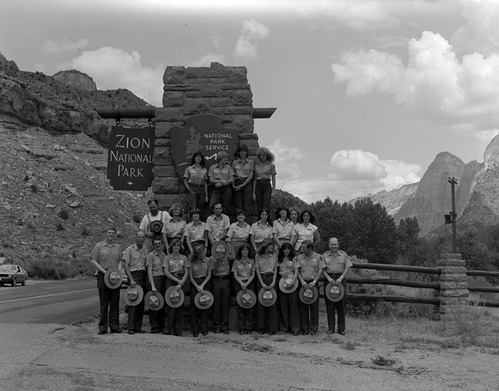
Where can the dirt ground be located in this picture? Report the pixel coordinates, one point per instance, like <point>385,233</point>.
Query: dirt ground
<point>393,354</point>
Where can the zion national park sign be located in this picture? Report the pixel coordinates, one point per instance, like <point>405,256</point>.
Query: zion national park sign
<point>203,133</point>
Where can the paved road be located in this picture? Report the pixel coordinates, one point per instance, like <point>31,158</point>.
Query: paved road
<point>61,302</point>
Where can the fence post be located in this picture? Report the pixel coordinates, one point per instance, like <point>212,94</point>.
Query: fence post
<point>453,285</point>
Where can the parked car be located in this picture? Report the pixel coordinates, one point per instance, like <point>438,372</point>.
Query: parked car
<point>12,274</point>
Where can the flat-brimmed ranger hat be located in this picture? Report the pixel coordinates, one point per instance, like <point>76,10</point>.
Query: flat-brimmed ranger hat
<point>308,296</point>
<point>174,296</point>
<point>156,226</point>
<point>203,300</point>
<point>267,297</point>
<point>246,298</point>
<point>286,285</point>
<point>335,291</point>
<point>154,301</point>
<point>134,296</point>
<point>113,278</point>
<point>218,243</point>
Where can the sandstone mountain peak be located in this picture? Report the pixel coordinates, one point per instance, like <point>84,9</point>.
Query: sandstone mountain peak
<point>76,79</point>
<point>491,155</point>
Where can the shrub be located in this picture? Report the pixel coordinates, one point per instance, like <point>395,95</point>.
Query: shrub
<point>63,214</point>
<point>34,188</point>
<point>85,231</point>
<point>59,227</point>
<point>136,218</point>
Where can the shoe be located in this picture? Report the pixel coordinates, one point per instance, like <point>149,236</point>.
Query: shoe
<point>242,332</point>
<point>101,332</point>
<point>249,331</point>
<point>139,331</point>
<point>304,332</point>
<point>154,331</point>
<point>117,331</point>
<point>179,334</point>
<point>261,332</point>
<point>341,332</point>
<point>225,331</point>
<point>131,332</point>
<point>272,333</point>
<point>330,331</point>
<point>204,332</point>
<point>313,333</point>
<point>195,335</point>
<point>295,333</point>
<point>217,331</point>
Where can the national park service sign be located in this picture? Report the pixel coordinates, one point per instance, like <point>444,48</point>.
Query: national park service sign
<point>203,133</point>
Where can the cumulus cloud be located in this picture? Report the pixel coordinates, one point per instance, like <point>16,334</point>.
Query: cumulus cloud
<point>63,45</point>
<point>435,83</point>
<point>116,68</point>
<point>207,59</point>
<point>287,159</point>
<point>481,32</point>
<point>247,44</point>
<point>352,173</point>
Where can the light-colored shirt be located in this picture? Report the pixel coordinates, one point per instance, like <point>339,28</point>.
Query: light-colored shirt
<point>287,268</point>
<point>243,168</point>
<point>201,268</point>
<point>135,257</point>
<point>264,170</point>
<point>155,262</point>
<point>283,231</point>
<point>196,176</point>
<point>176,264</point>
<point>221,173</point>
<point>106,254</point>
<point>175,229</point>
<point>309,266</point>
<point>162,216</point>
<point>195,232</point>
<point>261,232</point>
<point>243,269</point>
<point>239,233</point>
<point>217,226</point>
<point>265,263</point>
<point>336,263</point>
<point>304,233</point>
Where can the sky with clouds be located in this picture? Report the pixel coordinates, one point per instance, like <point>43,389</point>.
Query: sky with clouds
<point>367,92</point>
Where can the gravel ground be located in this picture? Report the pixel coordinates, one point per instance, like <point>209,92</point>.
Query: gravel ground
<point>374,355</point>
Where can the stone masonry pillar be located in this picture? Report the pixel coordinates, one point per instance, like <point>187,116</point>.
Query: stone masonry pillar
<point>453,285</point>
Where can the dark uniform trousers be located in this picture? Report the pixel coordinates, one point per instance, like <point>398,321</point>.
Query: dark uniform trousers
<point>263,193</point>
<point>289,311</point>
<point>199,318</point>
<point>109,305</point>
<point>245,315</point>
<point>221,296</point>
<point>332,307</point>
<point>309,316</point>
<point>244,197</point>
<point>267,316</point>
<point>136,313</point>
<point>157,318</point>
<point>174,315</point>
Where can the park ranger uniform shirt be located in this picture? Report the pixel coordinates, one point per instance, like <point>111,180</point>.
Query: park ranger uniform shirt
<point>336,264</point>
<point>309,266</point>
<point>135,257</point>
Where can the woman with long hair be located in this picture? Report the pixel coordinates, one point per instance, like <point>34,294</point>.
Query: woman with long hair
<point>261,230</point>
<point>264,182</point>
<point>175,228</point>
<point>195,182</point>
<point>200,275</point>
<point>243,270</point>
<point>307,230</point>
<point>288,302</point>
<point>283,228</point>
<point>176,270</point>
<point>266,271</point>
<point>243,179</point>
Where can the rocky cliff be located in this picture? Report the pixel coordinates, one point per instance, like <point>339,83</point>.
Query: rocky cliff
<point>76,79</point>
<point>394,199</point>
<point>432,198</point>
<point>483,206</point>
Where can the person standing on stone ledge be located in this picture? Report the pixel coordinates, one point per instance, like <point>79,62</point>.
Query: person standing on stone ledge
<point>154,215</point>
<point>221,176</point>
<point>264,181</point>
<point>175,227</point>
<point>195,182</point>
<point>243,182</point>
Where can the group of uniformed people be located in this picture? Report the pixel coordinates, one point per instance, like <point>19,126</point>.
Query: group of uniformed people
<point>269,266</point>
